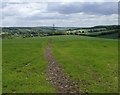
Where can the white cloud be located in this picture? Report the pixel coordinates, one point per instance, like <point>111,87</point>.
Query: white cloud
<point>60,1</point>
<point>36,14</point>
<point>25,9</point>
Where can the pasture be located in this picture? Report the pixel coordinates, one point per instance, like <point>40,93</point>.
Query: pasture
<point>0,66</point>
<point>24,66</point>
<point>93,62</point>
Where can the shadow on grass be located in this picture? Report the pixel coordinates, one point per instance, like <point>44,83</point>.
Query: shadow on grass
<point>109,36</point>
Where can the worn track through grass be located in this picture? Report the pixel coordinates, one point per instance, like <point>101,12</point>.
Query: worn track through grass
<point>58,78</point>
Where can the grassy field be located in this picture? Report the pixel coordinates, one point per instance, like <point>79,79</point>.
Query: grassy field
<point>24,66</point>
<point>91,61</point>
<point>109,36</point>
<point>0,66</point>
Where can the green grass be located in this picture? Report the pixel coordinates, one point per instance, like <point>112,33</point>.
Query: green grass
<point>109,36</point>
<point>92,61</point>
<point>24,66</point>
<point>0,66</point>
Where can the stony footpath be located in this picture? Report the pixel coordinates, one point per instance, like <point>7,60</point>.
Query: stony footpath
<point>57,77</point>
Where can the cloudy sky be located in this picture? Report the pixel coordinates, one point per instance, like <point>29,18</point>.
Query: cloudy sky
<point>62,13</point>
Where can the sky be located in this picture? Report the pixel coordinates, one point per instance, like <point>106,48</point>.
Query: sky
<point>70,13</point>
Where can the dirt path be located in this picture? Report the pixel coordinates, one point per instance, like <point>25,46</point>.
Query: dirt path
<point>61,82</point>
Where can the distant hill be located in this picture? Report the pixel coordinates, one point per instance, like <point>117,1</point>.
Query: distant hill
<point>108,26</point>
<point>10,32</point>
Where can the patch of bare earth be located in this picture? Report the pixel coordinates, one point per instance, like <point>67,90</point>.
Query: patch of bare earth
<point>57,77</point>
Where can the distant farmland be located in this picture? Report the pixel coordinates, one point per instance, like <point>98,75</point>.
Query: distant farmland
<point>27,32</point>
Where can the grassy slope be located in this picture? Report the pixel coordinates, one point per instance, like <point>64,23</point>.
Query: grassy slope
<point>92,61</point>
<point>109,36</point>
<point>0,66</point>
<point>24,66</point>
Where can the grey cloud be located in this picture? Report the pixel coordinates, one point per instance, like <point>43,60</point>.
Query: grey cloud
<point>45,17</point>
<point>61,14</point>
<point>106,8</point>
